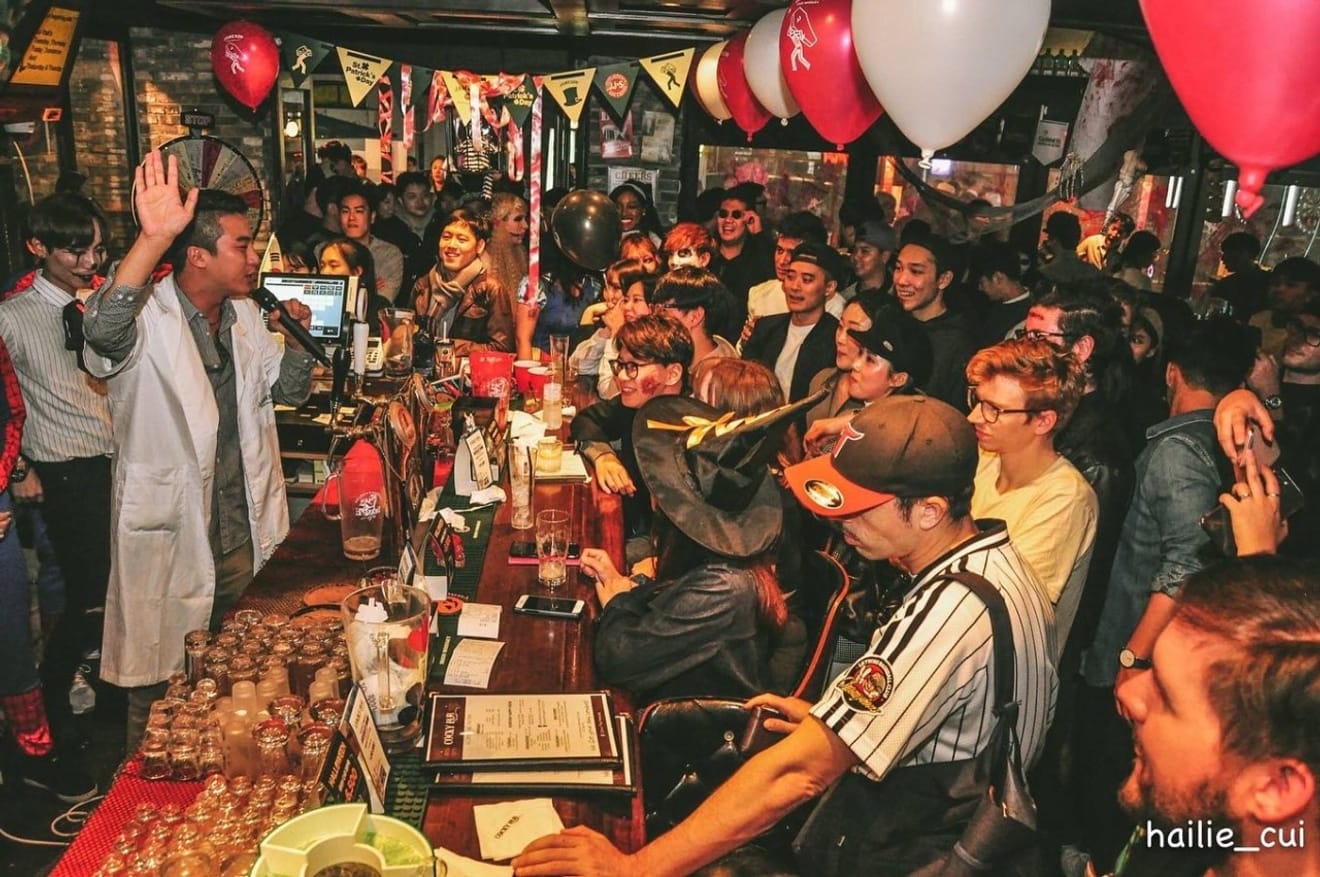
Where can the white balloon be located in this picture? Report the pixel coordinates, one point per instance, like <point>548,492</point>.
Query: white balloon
<point>761,64</point>
<point>708,84</point>
<point>941,67</point>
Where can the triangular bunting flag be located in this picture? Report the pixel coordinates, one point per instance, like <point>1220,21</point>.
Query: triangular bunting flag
<point>615,83</point>
<point>273,259</point>
<point>519,101</point>
<point>301,56</point>
<point>361,72</point>
<point>459,95</point>
<point>569,89</point>
<point>670,72</point>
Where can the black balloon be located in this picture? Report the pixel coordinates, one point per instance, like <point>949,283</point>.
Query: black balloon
<point>587,227</point>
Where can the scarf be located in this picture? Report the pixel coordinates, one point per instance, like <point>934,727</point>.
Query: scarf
<point>447,295</point>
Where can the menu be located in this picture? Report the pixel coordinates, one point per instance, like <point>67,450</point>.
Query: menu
<point>558,781</point>
<point>468,732</point>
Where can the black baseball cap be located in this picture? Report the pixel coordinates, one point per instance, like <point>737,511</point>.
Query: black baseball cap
<point>900,338</point>
<point>821,255</point>
<point>899,446</point>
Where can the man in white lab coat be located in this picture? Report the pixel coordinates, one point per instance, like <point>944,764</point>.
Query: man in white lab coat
<point>198,498</point>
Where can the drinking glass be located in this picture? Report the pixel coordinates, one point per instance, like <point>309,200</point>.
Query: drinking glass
<point>396,335</point>
<point>520,484</point>
<point>552,548</point>
<point>361,507</point>
<point>558,357</point>
<point>388,643</point>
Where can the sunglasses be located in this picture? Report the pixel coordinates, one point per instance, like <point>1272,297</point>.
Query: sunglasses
<point>731,214</point>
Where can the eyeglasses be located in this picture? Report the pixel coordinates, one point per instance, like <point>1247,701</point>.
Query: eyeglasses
<point>1042,335</point>
<point>731,214</point>
<point>990,412</point>
<point>685,253</point>
<point>1309,334</point>
<point>627,368</point>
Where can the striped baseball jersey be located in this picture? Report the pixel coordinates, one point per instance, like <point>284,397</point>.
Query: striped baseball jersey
<point>923,692</point>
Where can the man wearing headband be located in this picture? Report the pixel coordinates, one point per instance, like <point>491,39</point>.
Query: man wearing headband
<point>900,483</point>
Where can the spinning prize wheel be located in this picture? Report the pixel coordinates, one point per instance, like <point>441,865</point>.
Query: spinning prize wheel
<point>209,163</point>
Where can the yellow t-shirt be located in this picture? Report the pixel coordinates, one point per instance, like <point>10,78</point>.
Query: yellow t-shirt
<point>1051,522</point>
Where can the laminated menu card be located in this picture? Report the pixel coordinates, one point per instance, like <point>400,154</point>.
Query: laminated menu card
<point>503,731</point>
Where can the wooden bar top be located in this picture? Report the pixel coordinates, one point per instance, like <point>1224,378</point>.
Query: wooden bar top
<point>540,654</point>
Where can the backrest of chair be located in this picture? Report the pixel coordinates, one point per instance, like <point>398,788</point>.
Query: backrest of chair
<point>689,746</point>
<point>824,587</point>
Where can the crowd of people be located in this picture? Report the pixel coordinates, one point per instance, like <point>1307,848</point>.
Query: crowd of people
<point>1044,422</point>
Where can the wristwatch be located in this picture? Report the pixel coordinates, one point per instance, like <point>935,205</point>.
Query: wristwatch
<point>1128,660</point>
<point>1273,402</point>
<point>20,471</point>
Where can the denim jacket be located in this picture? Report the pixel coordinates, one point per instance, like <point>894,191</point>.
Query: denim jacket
<point>1178,480</point>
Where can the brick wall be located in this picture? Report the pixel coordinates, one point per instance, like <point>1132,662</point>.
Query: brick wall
<point>173,73</point>
<point>646,98</point>
<point>98,133</point>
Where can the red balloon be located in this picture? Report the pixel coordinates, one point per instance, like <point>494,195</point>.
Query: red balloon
<point>246,61</point>
<point>747,111</point>
<point>820,67</point>
<point>1247,74</point>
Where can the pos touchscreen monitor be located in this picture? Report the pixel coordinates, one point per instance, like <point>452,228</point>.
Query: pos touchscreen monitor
<point>325,294</point>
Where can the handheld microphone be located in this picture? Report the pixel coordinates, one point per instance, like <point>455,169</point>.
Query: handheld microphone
<point>268,301</point>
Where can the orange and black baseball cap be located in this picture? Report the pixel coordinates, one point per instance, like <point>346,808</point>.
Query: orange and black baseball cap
<point>899,446</point>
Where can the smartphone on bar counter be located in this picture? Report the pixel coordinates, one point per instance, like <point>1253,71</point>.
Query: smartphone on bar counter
<point>550,607</point>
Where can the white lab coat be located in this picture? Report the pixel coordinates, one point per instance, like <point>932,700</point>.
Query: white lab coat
<point>165,421</point>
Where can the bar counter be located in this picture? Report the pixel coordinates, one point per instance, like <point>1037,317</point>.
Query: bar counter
<point>540,654</point>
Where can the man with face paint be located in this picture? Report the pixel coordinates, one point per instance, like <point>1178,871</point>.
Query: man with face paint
<point>653,355</point>
<point>688,243</point>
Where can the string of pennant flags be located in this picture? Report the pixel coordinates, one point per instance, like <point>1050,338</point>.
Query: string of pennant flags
<point>491,95</point>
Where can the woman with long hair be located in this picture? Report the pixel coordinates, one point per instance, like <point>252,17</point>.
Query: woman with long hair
<point>347,258</point>
<point>506,256</point>
<point>707,622</point>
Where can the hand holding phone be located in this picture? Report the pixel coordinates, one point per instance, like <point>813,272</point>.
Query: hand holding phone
<point>1252,517</point>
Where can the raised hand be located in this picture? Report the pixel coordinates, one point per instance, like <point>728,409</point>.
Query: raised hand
<point>161,212</point>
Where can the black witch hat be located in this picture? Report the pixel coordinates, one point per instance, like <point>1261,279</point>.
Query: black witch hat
<point>709,471</point>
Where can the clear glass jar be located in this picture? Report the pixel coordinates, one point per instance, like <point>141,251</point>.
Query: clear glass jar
<point>329,711</point>
<point>242,669</point>
<point>272,738</point>
<point>155,763</point>
<point>247,617</point>
<point>313,742</point>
